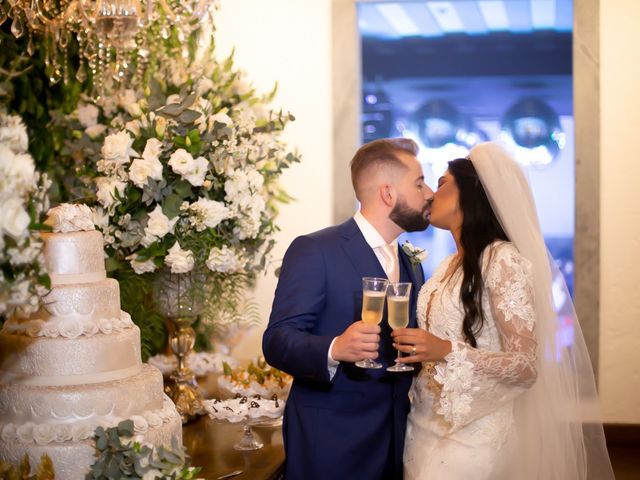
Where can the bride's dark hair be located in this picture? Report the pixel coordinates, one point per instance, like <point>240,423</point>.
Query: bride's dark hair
<point>480,227</point>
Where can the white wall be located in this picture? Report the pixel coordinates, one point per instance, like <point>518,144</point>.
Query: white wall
<point>620,211</point>
<point>288,42</point>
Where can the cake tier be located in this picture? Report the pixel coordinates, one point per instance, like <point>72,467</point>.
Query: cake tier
<point>59,361</point>
<point>123,398</point>
<point>76,257</point>
<point>73,310</point>
<point>72,458</point>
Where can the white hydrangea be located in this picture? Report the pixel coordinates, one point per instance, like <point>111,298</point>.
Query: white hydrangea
<point>13,133</point>
<point>207,213</point>
<point>88,115</point>
<point>179,260</point>
<point>14,218</point>
<point>224,260</point>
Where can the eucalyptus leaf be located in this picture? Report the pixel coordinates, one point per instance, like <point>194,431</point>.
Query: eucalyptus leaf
<point>189,116</point>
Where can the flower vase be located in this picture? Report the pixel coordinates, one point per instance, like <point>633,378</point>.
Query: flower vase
<point>179,297</point>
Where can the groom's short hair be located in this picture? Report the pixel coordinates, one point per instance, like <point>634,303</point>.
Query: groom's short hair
<point>382,152</point>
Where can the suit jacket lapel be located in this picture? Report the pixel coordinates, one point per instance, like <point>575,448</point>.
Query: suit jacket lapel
<point>360,254</point>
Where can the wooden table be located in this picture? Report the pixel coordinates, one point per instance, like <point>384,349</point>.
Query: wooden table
<point>210,445</point>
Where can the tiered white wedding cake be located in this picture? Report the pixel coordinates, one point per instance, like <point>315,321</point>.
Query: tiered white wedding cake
<point>76,365</point>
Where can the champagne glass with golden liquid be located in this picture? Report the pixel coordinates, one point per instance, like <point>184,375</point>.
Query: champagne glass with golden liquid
<point>373,294</point>
<point>398,295</point>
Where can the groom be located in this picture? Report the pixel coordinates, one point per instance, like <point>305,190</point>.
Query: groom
<point>341,421</point>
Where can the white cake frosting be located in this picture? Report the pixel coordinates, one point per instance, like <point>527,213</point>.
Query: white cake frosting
<point>76,364</point>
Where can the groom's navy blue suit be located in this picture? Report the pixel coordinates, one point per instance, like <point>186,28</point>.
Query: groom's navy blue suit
<point>351,426</point>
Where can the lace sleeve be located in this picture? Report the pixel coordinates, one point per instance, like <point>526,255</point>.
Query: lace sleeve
<point>476,381</point>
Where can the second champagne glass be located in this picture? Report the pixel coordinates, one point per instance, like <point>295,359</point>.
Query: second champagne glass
<point>373,293</point>
<point>398,295</point>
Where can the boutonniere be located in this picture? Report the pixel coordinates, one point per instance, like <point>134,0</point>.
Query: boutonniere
<point>415,254</point>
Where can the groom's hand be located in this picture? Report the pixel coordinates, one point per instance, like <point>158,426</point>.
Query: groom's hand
<point>359,341</point>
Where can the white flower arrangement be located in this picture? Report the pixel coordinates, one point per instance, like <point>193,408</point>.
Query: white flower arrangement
<point>202,192</point>
<point>23,195</point>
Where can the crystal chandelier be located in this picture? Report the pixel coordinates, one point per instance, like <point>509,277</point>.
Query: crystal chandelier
<point>115,39</point>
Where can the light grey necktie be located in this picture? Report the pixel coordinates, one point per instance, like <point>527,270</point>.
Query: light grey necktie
<point>390,263</point>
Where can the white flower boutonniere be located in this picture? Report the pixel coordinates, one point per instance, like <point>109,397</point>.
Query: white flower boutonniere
<point>415,254</point>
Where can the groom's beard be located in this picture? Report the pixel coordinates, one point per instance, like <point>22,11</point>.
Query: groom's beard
<point>407,218</point>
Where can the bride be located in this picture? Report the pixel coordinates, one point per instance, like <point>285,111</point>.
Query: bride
<point>496,398</point>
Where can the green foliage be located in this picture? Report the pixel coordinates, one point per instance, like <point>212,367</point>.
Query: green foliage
<point>118,457</point>
<point>136,297</point>
<point>26,90</point>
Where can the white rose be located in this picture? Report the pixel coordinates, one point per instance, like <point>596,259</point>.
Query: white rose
<point>14,219</point>
<point>158,224</point>
<point>44,433</point>
<point>255,180</point>
<point>241,87</point>
<point>88,115</point>
<point>141,169</point>
<point>8,432</point>
<point>95,131</point>
<point>117,148</point>
<point>181,162</point>
<point>142,267</point>
<point>25,432</point>
<point>89,328</point>
<point>100,218</point>
<point>152,474</point>
<point>34,328</point>
<point>140,425</point>
<point>154,419</point>
<point>70,328</point>
<point>105,325</point>
<point>223,260</point>
<point>152,149</point>
<point>13,133</point>
<point>133,126</point>
<point>180,261</point>
<point>70,218</point>
<point>126,98</point>
<point>222,117</point>
<point>212,212</point>
<point>106,186</point>
<point>175,98</point>
<point>81,431</point>
<point>63,433</point>
<point>49,330</point>
<point>196,176</point>
<point>204,85</point>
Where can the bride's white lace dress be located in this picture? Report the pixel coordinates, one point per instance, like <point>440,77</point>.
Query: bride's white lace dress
<point>461,424</point>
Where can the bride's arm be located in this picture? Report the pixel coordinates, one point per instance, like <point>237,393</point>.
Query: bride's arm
<point>476,381</point>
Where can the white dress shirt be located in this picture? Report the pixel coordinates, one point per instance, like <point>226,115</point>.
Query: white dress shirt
<point>377,243</point>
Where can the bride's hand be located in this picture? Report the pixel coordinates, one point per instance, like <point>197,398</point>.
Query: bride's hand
<point>420,345</point>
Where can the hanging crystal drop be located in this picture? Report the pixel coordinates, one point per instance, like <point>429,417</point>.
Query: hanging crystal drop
<point>17,27</point>
<point>31,47</point>
<point>81,74</point>
<point>4,14</point>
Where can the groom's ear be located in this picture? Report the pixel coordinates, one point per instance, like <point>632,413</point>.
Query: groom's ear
<point>388,195</point>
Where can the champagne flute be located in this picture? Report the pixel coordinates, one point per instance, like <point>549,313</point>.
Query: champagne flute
<point>398,295</point>
<point>373,293</point>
